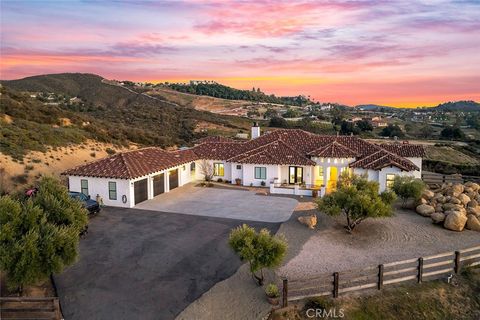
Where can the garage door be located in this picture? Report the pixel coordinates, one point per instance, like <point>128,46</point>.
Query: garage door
<point>158,184</point>
<point>140,190</point>
<point>173,178</point>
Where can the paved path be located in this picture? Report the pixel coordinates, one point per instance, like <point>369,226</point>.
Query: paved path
<point>138,264</point>
<point>223,203</point>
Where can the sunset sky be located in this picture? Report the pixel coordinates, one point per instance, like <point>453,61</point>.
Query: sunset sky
<point>401,53</point>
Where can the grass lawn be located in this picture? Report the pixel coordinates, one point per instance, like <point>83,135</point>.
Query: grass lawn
<point>430,300</point>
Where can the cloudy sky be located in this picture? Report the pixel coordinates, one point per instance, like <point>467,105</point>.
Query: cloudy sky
<point>400,53</point>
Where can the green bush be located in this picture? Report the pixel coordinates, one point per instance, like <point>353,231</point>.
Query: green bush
<point>39,236</point>
<point>261,250</point>
<point>407,187</point>
<point>272,290</point>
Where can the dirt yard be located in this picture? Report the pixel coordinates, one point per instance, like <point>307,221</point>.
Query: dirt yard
<point>330,248</point>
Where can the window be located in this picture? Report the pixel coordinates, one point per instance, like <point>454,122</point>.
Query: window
<point>84,186</point>
<point>390,180</point>
<point>319,180</point>
<point>260,173</point>
<point>184,168</point>
<point>239,167</point>
<point>192,166</point>
<point>112,190</point>
<point>218,169</point>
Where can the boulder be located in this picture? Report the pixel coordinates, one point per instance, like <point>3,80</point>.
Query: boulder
<point>458,188</point>
<point>437,217</point>
<point>474,210</point>
<point>455,221</point>
<point>422,201</point>
<point>452,206</point>
<point>438,208</point>
<point>472,204</point>
<point>455,200</point>
<point>468,190</point>
<point>427,194</point>
<point>473,185</point>
<point>425,210</point>
<point>309,221</point>
<point>464,199</point>
<point>473,223</point>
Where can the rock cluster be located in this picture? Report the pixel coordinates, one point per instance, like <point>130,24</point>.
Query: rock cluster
<point>456,206</point>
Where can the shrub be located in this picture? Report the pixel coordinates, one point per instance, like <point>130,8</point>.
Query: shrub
<point>20,179</point>
<point>358,199</point>
<point>39,236</point>
<point>36,160</point>
<point>110,151</point>
<point>263,183</point>
<point>219,180</point>
<point>408,187</point>
<point>261,250</point>
<point>272,290</point>
<point>29,167</point>
<point>93,154</point>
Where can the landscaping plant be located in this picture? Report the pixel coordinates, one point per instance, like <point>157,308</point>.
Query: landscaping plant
<point>260,249</point>
<point>358,199</point>
<point>408,188</point>
<point>39,235</point>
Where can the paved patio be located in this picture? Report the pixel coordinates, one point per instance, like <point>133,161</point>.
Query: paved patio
<point>222,203</point>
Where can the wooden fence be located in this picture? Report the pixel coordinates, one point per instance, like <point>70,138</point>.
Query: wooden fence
<point>437,178</point>
<point>13,308</point>
<point>411,270</point>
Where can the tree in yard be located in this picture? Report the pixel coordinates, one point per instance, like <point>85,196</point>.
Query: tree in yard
<point>408,188</point>
<point>358,199</point>
<point>261,250</point>
<point>364,125</point>
<point>39,236</point>
<point>392,130</point>
<point>452,133</point>
<point>206,169</point>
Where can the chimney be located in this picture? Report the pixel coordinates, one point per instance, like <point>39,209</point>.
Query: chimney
<point>255,131</point>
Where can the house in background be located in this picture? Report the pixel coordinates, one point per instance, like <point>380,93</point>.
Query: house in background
<point>288,161</point>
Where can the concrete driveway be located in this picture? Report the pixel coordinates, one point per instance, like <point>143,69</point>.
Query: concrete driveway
<point>138,264</point>
<point>222,203</point>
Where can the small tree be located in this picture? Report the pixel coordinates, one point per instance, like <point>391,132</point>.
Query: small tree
<point>408,188</point>
<point>206,169</point>
<point>261,250</point>
<point>358,199</point>
<point>39,236</point>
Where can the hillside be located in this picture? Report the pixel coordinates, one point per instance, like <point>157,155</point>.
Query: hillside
<point>217,90</point>
<point>76,107</point>
<point>459,106</point>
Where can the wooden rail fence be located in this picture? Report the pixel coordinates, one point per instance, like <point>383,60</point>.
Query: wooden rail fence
<point>15,308</point>
<point>410,270</point>
<point>437,178</point>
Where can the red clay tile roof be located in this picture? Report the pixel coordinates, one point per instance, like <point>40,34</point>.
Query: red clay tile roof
<point>382,159</point>
<point>133,164</point>
<point>275,152</point>
<point>405,149</point>
<point>288,147</point>
<point>334,150</point>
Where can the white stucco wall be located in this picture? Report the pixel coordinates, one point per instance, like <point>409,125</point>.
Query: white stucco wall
<point>100,186</point>
<point>226,165</point>
<point>418,162</point>
<point>273,171</point>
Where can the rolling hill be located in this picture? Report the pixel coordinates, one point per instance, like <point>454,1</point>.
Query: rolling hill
<point>76,107</point>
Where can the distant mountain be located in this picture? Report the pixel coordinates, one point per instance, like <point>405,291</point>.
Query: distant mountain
<point>459,106</point>
<point>95,109</point>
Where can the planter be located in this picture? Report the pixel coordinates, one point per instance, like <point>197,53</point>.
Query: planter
<point>315,193</point>
<point>238,182</point>
<point>274,301</point>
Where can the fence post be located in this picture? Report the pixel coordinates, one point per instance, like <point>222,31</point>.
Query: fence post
<point>285,293</point>
<point>335,284</point>
<point>457,261</point>
<point>58,313</point>
<point>420,270</point>
<point>380,276</point>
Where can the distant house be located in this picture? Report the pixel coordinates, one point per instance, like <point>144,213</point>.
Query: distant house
<point>287,161</point>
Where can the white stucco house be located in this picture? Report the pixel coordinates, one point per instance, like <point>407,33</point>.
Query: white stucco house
<point>287,161</point>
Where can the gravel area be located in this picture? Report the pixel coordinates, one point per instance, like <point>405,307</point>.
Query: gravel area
<point>330,248</point>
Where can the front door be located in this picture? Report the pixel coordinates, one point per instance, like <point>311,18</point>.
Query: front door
<point>332,180</point>
<point>295,175</point>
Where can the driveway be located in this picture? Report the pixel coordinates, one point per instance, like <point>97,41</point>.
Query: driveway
<point>139,264</point>
<point>222,203</point>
